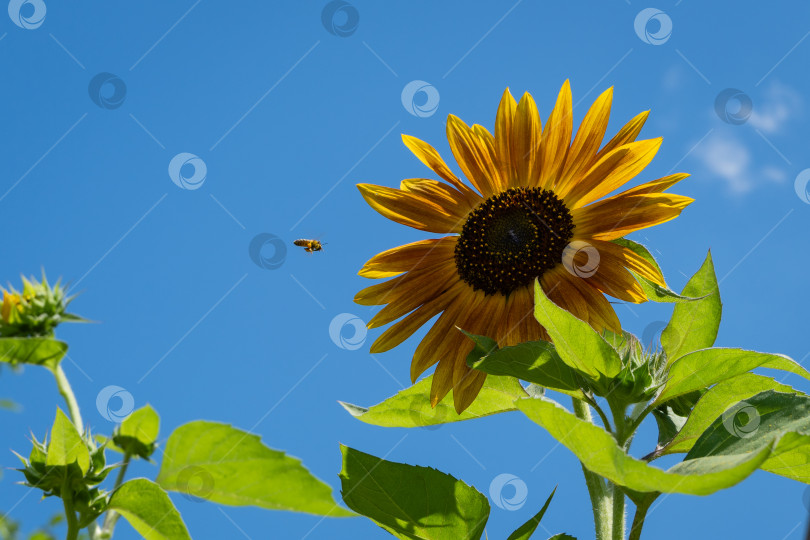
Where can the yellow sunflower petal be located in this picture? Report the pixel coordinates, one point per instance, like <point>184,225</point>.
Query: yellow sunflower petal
<point>612,172</point>
<point>473,156</point>
<point>617,216</point>
<point>627,134</point>
<point>525,141</point>
<point>586,143</point>
<point>413,210</point>
<point>430,157</point>
<point>401,259</point>
<point>504,121</point>
<point>556,138</point>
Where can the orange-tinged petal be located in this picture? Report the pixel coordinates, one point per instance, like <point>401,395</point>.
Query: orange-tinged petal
<point>439,192</point>
<point>464,395</point>
<point>584,301</point>
<point>504,121</point>
<point>413,210</point>
<point>526,136</point>
<point>401,259</point>
<point>598,182</point>
<point>403,329</point>
<point>429,349</point>
<point>403,300</point>
<point>616,281</point>
<point>556,138</point>
<point>473,156</point>
<point>617,216</point>
<point>655,186</point>
<point>615,254</point>
<point>442,381</point>
<point>586,143</point>
<point>430,157</point>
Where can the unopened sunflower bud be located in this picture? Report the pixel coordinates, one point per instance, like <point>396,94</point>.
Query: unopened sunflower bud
<point>35,311</point>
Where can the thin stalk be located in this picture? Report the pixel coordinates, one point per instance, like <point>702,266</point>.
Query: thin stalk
<point>601,495</point>
<point>638,519</point>
<point>112,516</point>
<point>67,393</point>
<point>70,514</point>
<point>618,513</point>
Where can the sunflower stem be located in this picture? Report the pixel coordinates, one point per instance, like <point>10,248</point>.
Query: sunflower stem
<point>70,399</point>
<point>600,493</point>
<point>638,518</point>
<point>618,512</point>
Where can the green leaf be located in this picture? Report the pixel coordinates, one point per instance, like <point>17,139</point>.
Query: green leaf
<point>718,399</point>
<point>753,422</point>
<point>694,325</point>
<point>527,529</point>
<point>38,351</point>
<point>654,292</point>
<point>410,501</point>
<point>149,510</point>
<point>579,345</point>
<point>703,368</point>
<point>535,362</point>
<point>669,423</point>
<point>138,433</point>
<point>411,407</point>
<point>562,536</point>
<point>66,445</point>
<point>598,452</point>
<point>226,465</point>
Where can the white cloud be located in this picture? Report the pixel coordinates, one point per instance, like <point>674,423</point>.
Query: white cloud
<point>778,104</point>
<point>727,158</point>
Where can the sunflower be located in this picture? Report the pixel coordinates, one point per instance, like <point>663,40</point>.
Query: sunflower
<point>536,210</point>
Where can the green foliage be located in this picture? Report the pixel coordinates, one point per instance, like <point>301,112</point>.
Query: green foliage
<point>149,510</point>
<point>599,452</point>
<point>527,529</point>
<point>45,352</point>
<point>579,345</point>
<point>411,407</point>
<point>66,446</point>
<point>703,368</point>
<point>718,399</point>
<point>694,325</point>
<point>226,465</point>
<point>409,501</point>
<point>36,310</point>
<point>654,291</point>
<point>532,361</point>
<point>137,434</point>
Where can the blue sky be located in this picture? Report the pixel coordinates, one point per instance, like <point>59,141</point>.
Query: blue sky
<point>288,116</point>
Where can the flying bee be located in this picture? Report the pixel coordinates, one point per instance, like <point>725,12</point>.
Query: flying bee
<point>309,245</point>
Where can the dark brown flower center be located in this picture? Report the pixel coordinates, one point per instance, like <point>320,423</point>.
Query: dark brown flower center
<point>512,238</point>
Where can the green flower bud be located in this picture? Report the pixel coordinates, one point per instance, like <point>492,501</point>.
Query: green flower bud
<point>36,311</point>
